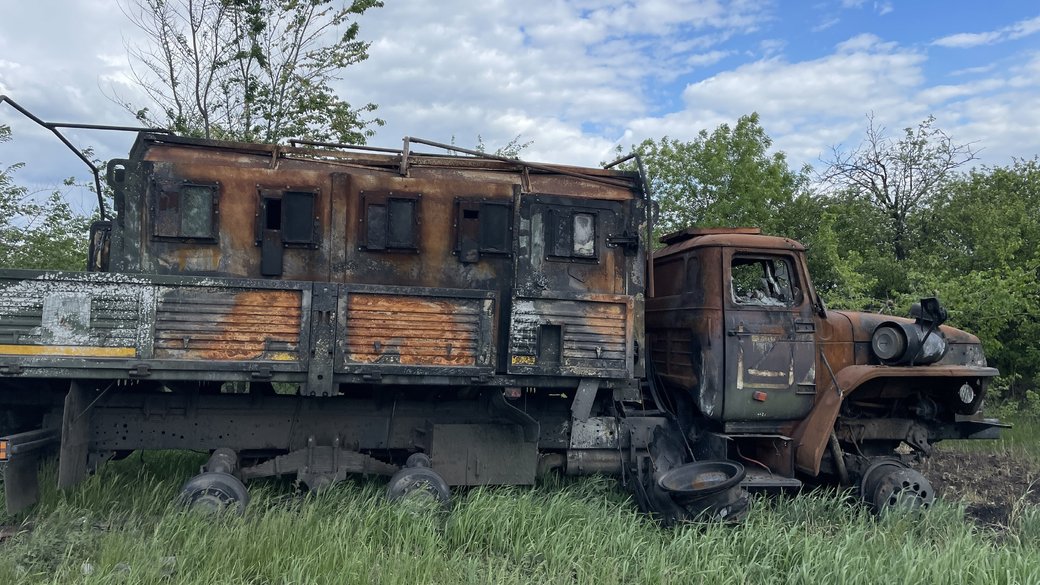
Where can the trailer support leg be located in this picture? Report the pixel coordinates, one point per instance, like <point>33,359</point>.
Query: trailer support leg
<point>21,487</point>
<point>75,436</point>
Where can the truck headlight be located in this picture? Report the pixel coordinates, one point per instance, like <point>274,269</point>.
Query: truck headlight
<point>889,343</point>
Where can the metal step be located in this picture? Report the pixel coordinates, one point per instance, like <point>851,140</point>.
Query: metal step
<point>760,479</point>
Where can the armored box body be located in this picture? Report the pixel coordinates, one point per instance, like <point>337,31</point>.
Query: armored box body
<point>327,267</point>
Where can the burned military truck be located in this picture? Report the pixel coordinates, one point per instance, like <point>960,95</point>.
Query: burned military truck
<point>315,311</point>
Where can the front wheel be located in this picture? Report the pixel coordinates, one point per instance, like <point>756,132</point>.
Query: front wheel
<point>889,484</point>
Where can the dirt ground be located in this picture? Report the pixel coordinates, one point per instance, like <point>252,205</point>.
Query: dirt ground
<point>992,485</point>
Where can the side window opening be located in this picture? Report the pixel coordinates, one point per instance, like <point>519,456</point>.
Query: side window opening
<point>185,211</point>
<point>482,228</point>
<point>764,282</point>
<point>390,221</point>
<point>584,235</point>
<point>285,219</point>
<point>289,215</point>
<point>572,234</point>
<point>272,213</point>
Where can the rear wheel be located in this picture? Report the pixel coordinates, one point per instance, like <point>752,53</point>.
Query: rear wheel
<point>214,492</point>
<point>421,486</point>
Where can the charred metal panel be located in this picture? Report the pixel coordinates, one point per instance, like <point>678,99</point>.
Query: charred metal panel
<point>213,223</point>
<point>416,330</point>
<point>75,315</point>
<point>590,338</point>
<point>563,246</point>
<point>483,454</point>
<point>217,324</point>
<point>684,321</point>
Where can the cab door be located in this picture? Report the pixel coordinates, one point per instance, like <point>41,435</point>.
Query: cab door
<point>769,347</point>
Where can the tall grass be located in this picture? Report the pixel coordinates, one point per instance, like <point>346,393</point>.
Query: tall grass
<point>1022,439</point>
<point>120,527</point>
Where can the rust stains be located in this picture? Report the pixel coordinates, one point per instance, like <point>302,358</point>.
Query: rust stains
<point>194,323</point>
<point>412,330</point>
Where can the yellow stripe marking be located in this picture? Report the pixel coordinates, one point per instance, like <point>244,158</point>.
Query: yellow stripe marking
<point>68,350</point>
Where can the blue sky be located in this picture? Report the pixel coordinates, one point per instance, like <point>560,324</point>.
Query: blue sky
<point>578,77</point>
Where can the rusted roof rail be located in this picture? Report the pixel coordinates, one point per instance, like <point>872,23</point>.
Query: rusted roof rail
<point>298,141</point>
<point>53,127</point>
<point>530,165</point>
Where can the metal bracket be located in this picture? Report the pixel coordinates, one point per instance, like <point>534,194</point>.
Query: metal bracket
<point>585,397</point>
<point>324,300</point>
<point>262,373</point>
<point>11,370</point>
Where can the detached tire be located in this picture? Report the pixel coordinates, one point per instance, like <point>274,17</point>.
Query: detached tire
<point>213,493</point>
<point>419,484</point>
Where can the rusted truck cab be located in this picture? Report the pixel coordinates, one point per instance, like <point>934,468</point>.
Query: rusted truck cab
<point>766,374</point>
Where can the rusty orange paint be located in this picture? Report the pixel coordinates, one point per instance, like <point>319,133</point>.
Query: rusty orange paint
<point>412,330</point>
<point>256,325</point>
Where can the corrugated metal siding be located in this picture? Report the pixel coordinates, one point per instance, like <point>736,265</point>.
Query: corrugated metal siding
<point>412,330</point>
<point>114,318</point>
<point>114,312</point>
<point>197,323</point>
<point>594,333</point>
<point>20,317</point>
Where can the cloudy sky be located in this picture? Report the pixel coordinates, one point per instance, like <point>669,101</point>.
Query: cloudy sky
<point>578,77</point>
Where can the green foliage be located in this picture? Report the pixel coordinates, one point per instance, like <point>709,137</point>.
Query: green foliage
<point>725,178</point>
<point>46,234</point>
<point>251,70</point>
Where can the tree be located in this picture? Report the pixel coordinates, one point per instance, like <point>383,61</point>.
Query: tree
<point>46,235</point>
<point>251,70</point>
<point>725,178</point>
<point>898,176</point>
<point>984,260</point>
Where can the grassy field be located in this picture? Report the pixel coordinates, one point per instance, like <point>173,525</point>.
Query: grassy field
<point>119,527</point>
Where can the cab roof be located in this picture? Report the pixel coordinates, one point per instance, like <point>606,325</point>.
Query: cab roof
<point>740,237</point>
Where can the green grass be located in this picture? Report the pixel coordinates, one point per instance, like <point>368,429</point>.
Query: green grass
<point>120,524</point>
<point>1022,439</point>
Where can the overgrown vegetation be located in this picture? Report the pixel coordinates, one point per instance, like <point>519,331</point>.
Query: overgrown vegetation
<point>120,527</point>
<point>37,230</point>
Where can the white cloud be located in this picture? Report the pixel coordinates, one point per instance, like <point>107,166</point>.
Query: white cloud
<point>1020,29</point>
<point>826,24</point>
<point>583,63</point>
<point>943,93</point>
<point>805,106</point>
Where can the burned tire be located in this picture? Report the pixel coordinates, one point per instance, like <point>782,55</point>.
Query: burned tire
<point>214,492</point>
<point>419,484</point>
<point>891,485</point>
